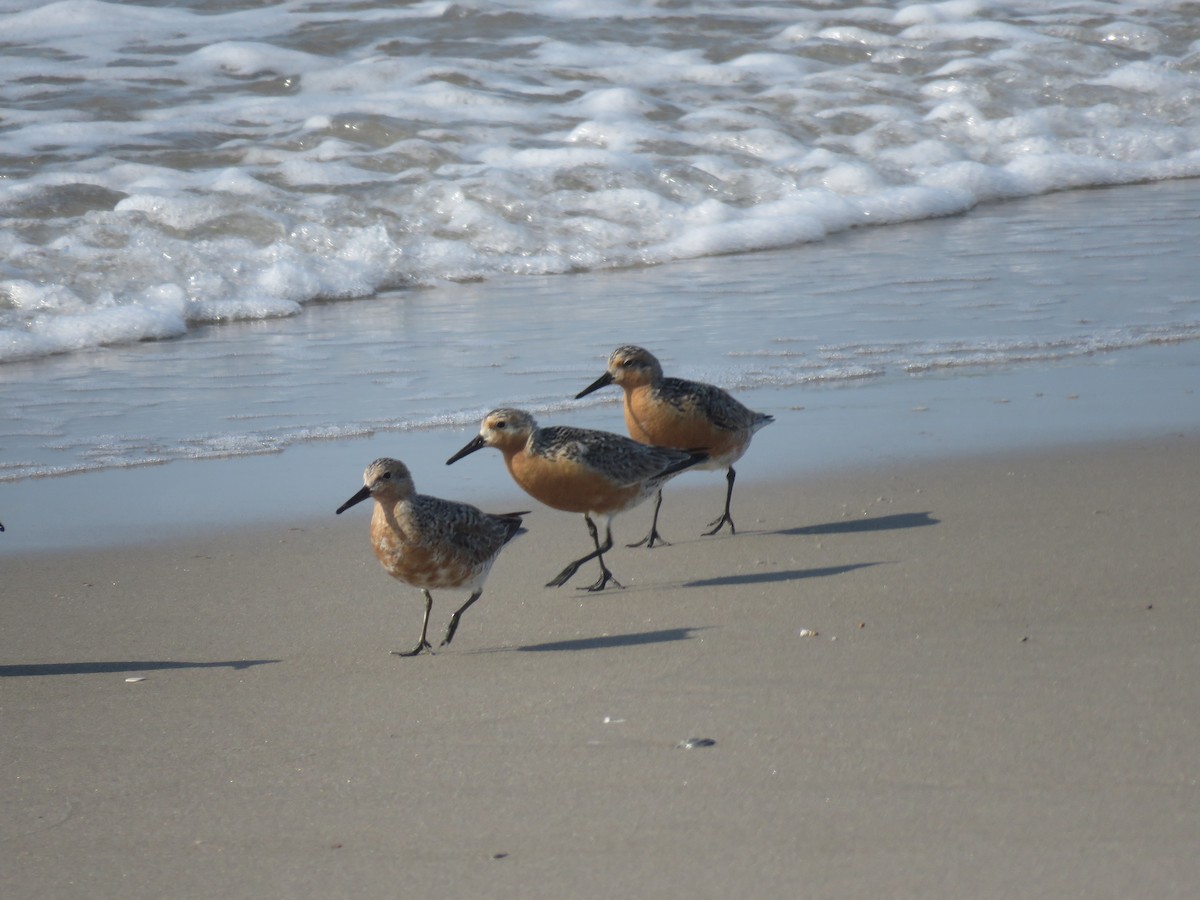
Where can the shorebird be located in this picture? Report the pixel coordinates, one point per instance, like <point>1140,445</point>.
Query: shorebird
<point>429,542</point>
<point>686,415</point>
<point>596,473</point>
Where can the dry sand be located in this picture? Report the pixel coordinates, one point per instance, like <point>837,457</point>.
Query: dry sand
<point>1001,698</point>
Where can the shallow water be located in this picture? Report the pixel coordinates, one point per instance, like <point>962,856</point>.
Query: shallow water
<point>1031,283</point>
<point>415,385</point>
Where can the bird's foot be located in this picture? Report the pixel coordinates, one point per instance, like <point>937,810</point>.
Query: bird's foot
<point>564,576</point>
<point>422,647</point>
<point>720,523</point>
<point>650,539</point>
<point>600,583</point>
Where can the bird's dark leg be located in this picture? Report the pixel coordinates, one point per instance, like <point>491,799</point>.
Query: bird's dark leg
<point>653,536</point>
<point>605,575</point>
<point>725,516</point>
<point>453,626</point>
<point>424,644</point>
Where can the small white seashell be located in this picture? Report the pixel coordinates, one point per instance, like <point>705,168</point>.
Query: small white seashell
<point>807,632</point>
<point>135,679</point>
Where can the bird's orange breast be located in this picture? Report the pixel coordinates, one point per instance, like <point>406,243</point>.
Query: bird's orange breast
<point>568,484</point>
<point>408,559</point>
<point>654,421</point>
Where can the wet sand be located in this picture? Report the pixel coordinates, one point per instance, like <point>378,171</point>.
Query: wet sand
<point>951,678</point>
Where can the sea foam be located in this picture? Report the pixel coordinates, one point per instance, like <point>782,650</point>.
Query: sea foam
<point>341,152</point>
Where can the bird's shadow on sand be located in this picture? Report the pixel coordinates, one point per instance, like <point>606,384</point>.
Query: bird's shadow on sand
<point>667,635</point>
<point>115,667</point>
<point>788,575</point>
<point>858,526</point>
<point>842,526</point>
<point>662,636</point>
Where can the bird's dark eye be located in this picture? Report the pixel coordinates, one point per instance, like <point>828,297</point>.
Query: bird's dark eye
<point>500,425</point>
<point>385,476</point>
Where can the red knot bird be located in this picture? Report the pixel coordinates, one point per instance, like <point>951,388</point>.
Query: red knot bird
<point>596,473</point>
<point>429,542</point>
<point>685,415</point>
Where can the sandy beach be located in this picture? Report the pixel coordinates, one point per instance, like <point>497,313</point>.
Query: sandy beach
<point>937,679</point>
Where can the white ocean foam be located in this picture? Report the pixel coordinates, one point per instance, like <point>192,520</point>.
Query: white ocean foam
<point>540,155</point>
<point>931,357</point>
<point>246,58</point>
<point>168,167</point>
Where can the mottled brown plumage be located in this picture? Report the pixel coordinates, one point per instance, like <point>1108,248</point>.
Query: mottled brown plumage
<point>686,415</point>
<point>595,473</point>
<point>429,542</point>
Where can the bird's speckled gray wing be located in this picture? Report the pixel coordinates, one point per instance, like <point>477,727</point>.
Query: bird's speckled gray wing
<point>622,459</point>
<point>473,534</point>
<point>708,401</point>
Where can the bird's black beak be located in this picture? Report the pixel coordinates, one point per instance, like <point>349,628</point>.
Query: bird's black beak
<point>476,443</point>
<point>603,381</point>
<point>362,495</point>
